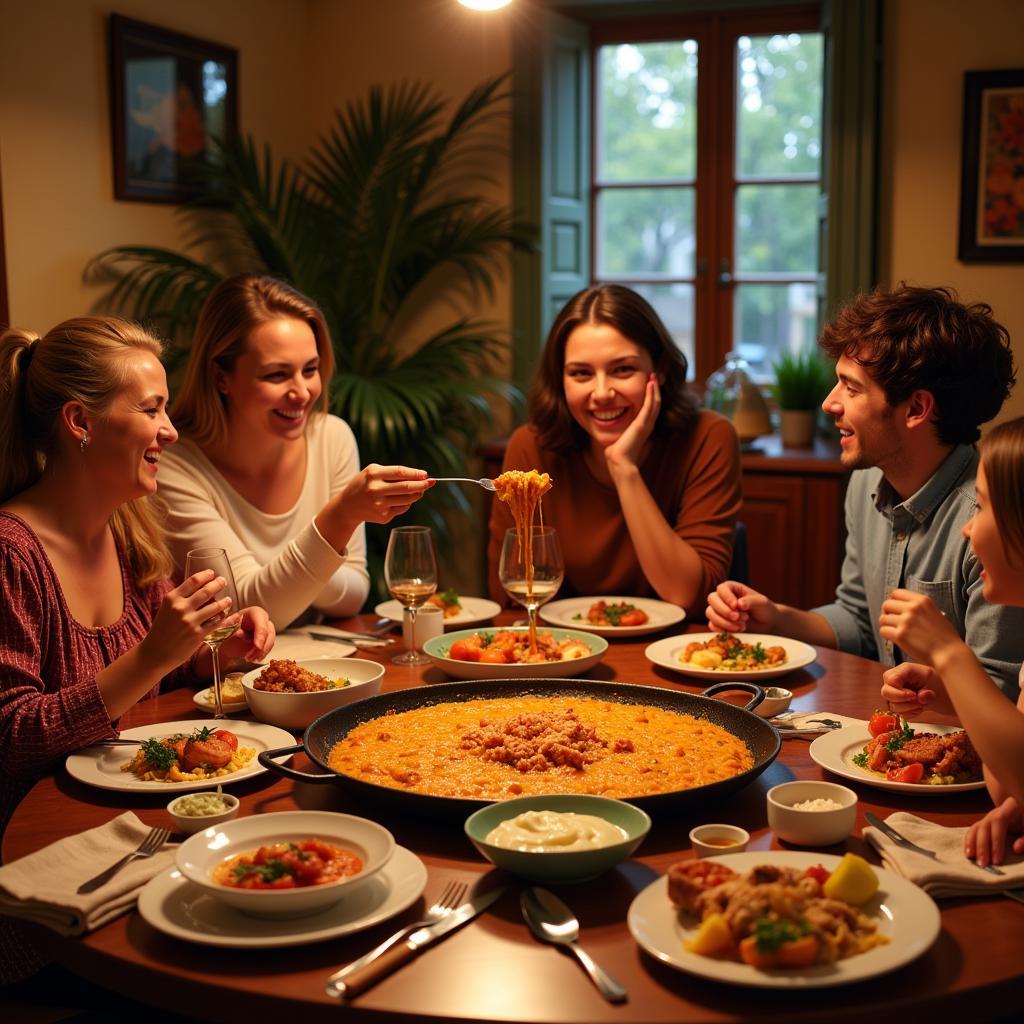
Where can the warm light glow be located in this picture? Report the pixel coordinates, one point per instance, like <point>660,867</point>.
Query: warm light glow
<point>485,5</point>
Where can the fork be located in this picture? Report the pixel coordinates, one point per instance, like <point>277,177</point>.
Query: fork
<point>156,838</point>
<point>485,482</point>
<point>450,898</point>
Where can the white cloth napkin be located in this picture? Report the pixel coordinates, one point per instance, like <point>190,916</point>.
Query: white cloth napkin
<point>41,887</point>
<point>952,874</point>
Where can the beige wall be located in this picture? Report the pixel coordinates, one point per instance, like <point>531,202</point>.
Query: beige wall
<point>928,46</point>
<point>55,160</point>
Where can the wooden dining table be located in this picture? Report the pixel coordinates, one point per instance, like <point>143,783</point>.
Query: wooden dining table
<point>492,969</point>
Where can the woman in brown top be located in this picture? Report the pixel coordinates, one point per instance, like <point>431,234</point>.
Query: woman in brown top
<point>646,485</point>
<point>89,623</point>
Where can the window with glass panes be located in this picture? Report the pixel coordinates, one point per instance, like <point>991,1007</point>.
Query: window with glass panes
<point>706,176</point>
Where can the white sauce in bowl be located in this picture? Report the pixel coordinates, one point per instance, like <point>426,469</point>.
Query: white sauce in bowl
<point>555,832</point>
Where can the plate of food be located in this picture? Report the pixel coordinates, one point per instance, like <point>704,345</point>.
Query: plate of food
<point>751,656</point>
<point>232,696</point>
<point>702,918</point>
<point>890,753</point>
<point>490,653</point>
<point>178,756</point>
<point>175,906</point>
<point>613,616</point>
<point>459,611</point>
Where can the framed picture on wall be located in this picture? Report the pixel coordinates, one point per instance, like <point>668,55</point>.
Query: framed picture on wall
<point>992,180</point>
<point>170,95</point>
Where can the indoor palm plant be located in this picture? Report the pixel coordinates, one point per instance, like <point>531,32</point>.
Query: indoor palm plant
<point>383,202</point>
<point>801,383</point>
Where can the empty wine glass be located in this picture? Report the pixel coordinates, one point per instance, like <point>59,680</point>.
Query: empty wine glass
<point>531,580</point>
<point>410,570</point>
<point>217,560</point>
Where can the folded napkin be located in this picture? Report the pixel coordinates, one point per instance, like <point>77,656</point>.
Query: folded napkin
<point>951,874</point>
<point>41,887</point>
<point>809,721</point>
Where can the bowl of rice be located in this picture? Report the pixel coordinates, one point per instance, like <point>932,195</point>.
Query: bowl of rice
<point>811,813</point>
<point>291,694</point>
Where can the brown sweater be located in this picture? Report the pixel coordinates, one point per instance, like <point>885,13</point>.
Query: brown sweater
<point>695,481</point>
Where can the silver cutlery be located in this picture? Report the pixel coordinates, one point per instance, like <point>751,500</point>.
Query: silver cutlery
<point>156,838</point>
<point>350,637</point>
<point>116,743</point>
<point>552,921</point>
<point>903,841</point>
<point>484,482</point>
<point>449,899</point>
<point>388,961</point>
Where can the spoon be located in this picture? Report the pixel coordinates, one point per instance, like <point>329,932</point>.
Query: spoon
<point>552,921</point>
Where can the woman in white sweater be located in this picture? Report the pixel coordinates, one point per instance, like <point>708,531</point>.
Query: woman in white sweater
<point>262,470</point>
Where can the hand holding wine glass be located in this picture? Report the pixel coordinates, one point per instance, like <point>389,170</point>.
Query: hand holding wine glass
<point>531,570</point>
<point>410,570</point>
<point>219,628</point>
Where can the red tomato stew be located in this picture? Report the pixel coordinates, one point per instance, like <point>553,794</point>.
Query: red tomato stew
<point>292,865</point>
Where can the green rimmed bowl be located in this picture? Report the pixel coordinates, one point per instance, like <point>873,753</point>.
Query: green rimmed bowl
<point>559,865</point>
<point>437,649</point>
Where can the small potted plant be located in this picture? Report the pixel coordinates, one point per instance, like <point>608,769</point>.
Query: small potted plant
<point>801,383</point>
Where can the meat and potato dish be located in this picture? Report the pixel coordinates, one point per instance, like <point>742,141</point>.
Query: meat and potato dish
<point>286,676</point>
<point>189,757</point>
<point>901,754</point>
<point>727,653</point>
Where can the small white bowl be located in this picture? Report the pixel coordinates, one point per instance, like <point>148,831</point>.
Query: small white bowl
<point>199,855</point>
<point>297,710</point>
<point>192,823</point>
<point>776,700</point>
<point>807,827</point>
<point>714,840</point>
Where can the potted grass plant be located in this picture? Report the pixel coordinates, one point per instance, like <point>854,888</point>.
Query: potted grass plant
<point>801,383</point>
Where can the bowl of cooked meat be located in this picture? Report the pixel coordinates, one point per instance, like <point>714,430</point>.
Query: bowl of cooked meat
<point>292,694</point>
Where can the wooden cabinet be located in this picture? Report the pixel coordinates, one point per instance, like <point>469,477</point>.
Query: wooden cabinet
<point>793,511</point>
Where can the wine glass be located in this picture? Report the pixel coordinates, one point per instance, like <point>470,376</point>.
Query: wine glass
<point>531,588</point>
<point>217,560</point>
<point>410,570</point>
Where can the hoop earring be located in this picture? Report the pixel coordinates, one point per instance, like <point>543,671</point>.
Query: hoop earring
<point>83,443</point>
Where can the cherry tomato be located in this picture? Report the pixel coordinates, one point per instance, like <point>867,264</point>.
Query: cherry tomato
<point>228,737</point>
<point>912,772</point>
<point>883,721</point>
<point>818,873</point>
<point>706,873</point>
<point>493,656</point>
<point>463,651</point>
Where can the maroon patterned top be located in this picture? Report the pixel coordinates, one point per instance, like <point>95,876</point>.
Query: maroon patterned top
<point>49,701</point>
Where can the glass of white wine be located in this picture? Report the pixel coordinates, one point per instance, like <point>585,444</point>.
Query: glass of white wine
<point>532,571</point>
<point>217,560</point>
<point>410,570</point>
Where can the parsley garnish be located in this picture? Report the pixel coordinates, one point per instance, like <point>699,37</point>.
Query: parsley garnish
<point>614,612</point>
<point>769,934</point>
<point>158,755</point>
<point>449,597</point>
<point>904,735</point>
<point>861,759</point>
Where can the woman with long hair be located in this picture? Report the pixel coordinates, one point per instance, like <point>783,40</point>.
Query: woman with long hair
<point>90,623</point>
<point>262,469</point>
<point>646,485</point>
<point>960,687</point>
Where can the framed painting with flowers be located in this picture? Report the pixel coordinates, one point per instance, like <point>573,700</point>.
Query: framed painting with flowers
<point>170,95</point>
<point>992,185</point>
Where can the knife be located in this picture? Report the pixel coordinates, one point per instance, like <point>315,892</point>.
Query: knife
<point>347,637</point>
<point>902,840</point>
<point>345,986</point>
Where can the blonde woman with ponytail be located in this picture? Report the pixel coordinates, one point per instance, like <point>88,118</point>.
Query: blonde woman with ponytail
<point>90,623</point>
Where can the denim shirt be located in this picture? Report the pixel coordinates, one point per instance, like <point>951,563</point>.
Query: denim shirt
<point>918,544</point>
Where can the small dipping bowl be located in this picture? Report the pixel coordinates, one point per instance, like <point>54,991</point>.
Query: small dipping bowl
<point>557,866</point>
<point>776,700</point>
<point>192,823</point>
<point>713,840</point>
<point>811,827</point>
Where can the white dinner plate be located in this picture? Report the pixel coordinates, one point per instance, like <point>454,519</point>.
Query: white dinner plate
<point>436,648</point>
<point>474,611</point>
<point>668,653</point>
<point>100,766</point>
<point>171,904</point>
<point>905,914</point>
<point>572,613</point>
<point>204,700</point>
<point>298,645</point>
<point>836,750</point>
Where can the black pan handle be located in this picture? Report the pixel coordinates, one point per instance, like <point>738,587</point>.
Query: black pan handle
<point>729,684</point>
<point>266,759</point>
